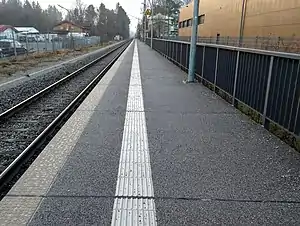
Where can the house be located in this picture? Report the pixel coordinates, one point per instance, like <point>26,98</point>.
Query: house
<point>65,27</point>
<point>8,32</point>
<point>27,30</point>
<point>29,33</point>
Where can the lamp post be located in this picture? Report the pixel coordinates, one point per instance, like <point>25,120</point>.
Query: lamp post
<point>191,75</point>
<point>151,25</point>
<point>69,15</point>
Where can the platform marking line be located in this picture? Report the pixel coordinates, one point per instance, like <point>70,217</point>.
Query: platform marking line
<point>134,176</point>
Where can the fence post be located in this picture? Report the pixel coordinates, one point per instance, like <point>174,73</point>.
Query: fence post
<point>203,62</point>
<point>180,59</point>
<point>187,56</point>
<point>37,46</point>
<point>235,77</point>
<point>26,43</point>
<point>14,43</point>
<point>216,69</point>
<point>53,48</point>
<point>176,49</point>
<point>167,49</point>
<point>267,92</point>
<point>173,48</point>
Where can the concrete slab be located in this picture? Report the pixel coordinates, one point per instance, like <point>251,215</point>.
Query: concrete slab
<point>74,211</point>
<point>207,212</point>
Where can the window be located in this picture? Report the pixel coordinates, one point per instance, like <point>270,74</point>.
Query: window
<point>185,23</point>
<point>180,24</point>
<point>201,19</point>
<point>189,22</point>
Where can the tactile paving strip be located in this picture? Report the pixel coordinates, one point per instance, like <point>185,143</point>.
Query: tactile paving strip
<point>134,204</point>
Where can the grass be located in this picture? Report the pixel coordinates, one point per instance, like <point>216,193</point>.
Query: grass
<point>254,115</point>
<point>284,135</point>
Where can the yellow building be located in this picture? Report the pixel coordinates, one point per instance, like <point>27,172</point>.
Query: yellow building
<point>247,18</point>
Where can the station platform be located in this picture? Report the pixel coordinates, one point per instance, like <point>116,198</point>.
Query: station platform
<point>146,149</point>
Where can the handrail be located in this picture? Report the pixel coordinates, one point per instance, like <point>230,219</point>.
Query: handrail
<point>241,49</point>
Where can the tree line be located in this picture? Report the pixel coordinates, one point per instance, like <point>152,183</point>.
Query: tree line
<point>100,21</point>
<point>166,14</point>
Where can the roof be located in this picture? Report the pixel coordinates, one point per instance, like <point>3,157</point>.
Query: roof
<point>5,27</point>
<point>27,29</point>
<point>69,22</point>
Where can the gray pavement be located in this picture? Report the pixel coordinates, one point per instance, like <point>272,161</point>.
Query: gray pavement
<point>210,164</point>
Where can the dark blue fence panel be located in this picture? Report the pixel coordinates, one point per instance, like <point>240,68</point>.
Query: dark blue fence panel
<point>165,48</point>
<point>184,54</point>
<point>252,79</point>
<point>226,69</point>
<point>178,52</point>
<point>210,64</point>
<point>283,102</point>
<point>168,49</point>
<point>199,60</point>
<point>187,56</point>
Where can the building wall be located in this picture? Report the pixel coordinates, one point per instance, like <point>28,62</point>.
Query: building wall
<point>272,17</point>
<point>262,18</point>
<point>64,27</point>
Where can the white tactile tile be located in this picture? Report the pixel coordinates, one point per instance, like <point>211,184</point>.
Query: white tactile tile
<point>134,204</point>
<point>132,211</point>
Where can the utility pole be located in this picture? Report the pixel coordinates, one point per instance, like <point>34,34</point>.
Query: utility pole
<point>152,24</point>
<point>191,75</point>
<point>145,20</point>
<point>71,34</point>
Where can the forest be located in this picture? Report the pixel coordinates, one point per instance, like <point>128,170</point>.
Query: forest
<point>98,19</point>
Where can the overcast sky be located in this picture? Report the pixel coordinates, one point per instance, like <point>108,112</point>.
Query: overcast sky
<point>132,7</point>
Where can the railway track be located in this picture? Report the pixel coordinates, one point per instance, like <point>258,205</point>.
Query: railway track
<point>27,126</point>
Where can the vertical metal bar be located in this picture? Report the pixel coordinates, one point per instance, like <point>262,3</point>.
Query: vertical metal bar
<point>216,69</point>
<point>187,55</point>
<point>268,91</point>
<point>173,48</point>
<point>203,62</point>
<point>294,95</point>
<point>286,79</point>
<point>26,44</point>
<point>296,120</point>
<point>180,54</point>
<point>14,42</point>
<point>176,49</point>
<point>278,94</point>
<point>166,49</point>
<point>235,76</point>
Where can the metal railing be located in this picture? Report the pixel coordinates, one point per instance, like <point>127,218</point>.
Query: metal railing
<point>266,82</point>
<point>279,44</point>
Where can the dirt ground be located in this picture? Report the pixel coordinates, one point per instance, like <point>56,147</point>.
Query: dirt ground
<point>10,66</point>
